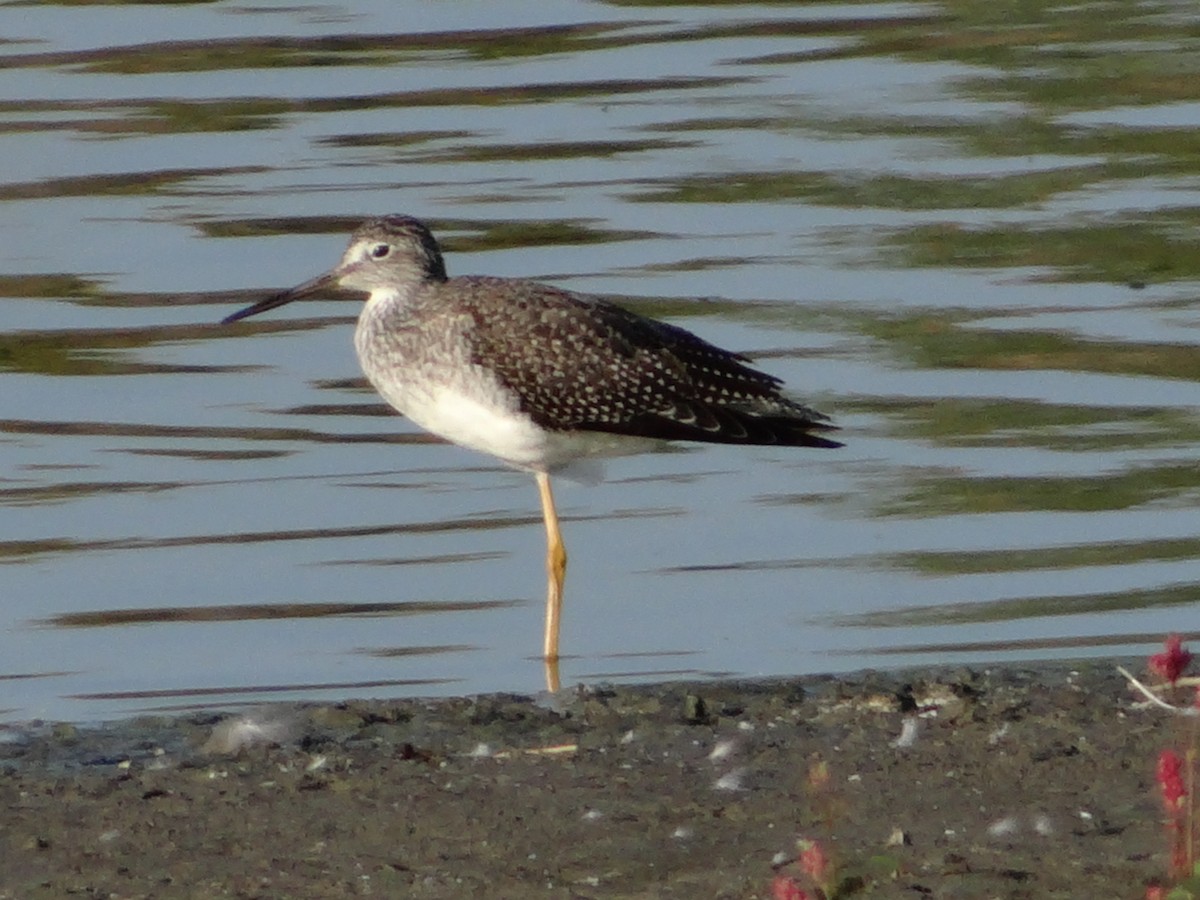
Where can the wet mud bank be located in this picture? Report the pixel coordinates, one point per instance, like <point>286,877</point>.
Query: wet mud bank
<point>987,782</point>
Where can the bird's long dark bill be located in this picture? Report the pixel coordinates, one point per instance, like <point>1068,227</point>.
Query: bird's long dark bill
<point>319,285</point>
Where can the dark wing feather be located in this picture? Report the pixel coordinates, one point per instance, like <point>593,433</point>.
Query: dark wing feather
<point>580,362</point>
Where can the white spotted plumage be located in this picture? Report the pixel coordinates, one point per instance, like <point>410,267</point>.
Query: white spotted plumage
<point>538,376</point>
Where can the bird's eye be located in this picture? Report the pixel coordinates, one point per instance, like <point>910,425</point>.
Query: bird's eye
<point>379,251</point>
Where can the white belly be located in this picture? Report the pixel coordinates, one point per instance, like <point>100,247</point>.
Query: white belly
<point>510,435</point>
<point>470,422</point>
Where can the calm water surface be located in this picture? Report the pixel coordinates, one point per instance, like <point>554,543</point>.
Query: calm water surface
<point>970,238</point>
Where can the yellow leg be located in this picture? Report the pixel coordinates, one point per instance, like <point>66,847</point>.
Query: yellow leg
<point>556,569</point>
<point>553,682</point>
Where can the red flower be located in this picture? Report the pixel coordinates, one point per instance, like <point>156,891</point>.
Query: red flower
<point>1169,775</point>
<point>784,888</point>
<point>813,861</point>
<point>1169,664</point>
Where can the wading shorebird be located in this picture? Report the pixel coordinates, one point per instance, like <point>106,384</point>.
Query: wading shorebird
<point>540,377</point>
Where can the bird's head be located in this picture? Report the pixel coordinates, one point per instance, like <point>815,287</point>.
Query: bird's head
<point>391,254</point>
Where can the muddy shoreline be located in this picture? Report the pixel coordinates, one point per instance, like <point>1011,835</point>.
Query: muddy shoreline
<point>1002,781</point>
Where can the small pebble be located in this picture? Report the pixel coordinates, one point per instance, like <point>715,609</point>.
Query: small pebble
<point>731,781</point>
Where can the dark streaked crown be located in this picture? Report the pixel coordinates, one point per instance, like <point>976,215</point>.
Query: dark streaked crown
<point>407,237</point>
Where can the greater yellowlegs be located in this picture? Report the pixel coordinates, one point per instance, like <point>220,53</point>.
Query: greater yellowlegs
<point>541,377</point>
